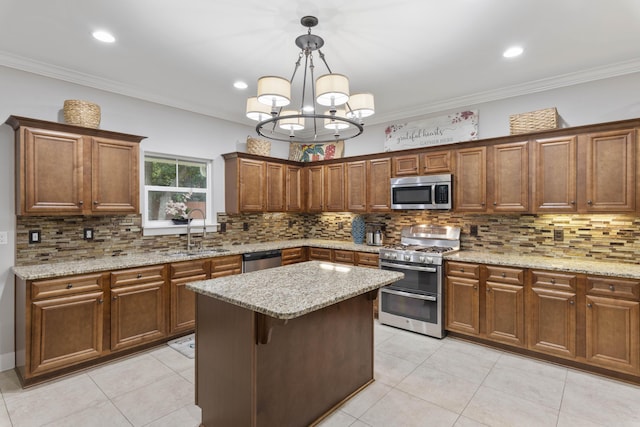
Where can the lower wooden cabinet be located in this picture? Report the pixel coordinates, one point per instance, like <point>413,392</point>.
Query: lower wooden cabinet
<point>182,307</point>
<point>463,298</point>
<point>320,254</point>
<point>504,306</point>
<point>226,266</point>
<point>294,255</point>
<point>344,257</point>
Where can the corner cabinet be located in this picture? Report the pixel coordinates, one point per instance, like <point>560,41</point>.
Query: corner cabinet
<point>71,170</point>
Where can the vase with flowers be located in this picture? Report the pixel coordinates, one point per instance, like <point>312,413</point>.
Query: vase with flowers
<point>177,208</point>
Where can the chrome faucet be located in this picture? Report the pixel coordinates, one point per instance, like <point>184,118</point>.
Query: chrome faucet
<point>204,227</point>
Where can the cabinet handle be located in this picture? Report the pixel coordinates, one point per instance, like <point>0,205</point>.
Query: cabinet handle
<point>81,203</point>
<point>611,287</point>
<point>573,202</point>
<point>139,275</point>
<point>504,274</point>
<point>572,302</point>
<point>488,290</point>
<point>69,285</point>
<point>553,281</point>
<point>482,204</point>
<point>115,297</point>
<point>95,202</point>
<point>589,202</point>
<point>462,270</point>
<point>589,305</point>
<point>495,204</point>
<point>475,287</point>
<point>100,301</point>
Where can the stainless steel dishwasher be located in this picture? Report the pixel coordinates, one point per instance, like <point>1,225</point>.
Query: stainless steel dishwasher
<point>260,260</point>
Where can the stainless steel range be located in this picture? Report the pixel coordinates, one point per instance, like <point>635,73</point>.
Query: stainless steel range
<point>416,302</point>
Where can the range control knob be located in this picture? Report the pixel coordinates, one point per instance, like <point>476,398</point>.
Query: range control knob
<point>407,257</point>
<point>429,260</point>
<point>422,258</point>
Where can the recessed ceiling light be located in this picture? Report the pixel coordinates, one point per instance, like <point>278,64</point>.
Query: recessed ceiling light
<point>512,52</point>
<point>103,36</point>
<point>240,85</point>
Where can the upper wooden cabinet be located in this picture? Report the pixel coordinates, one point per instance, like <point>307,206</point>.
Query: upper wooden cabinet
<point>275,187</point>
<point>368,185</point>
<point>334,187</point>
<point>555,166</point>
<point>436,162</point>
<point>315,188</point>
<point>244,185</point>
<point>71,170</point>
<point>508,177</point>
<point>357,186</point>
<point>293,189</point>
<point>406,165</point>
<point>470,180</point>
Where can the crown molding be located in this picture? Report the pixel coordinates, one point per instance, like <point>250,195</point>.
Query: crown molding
<point>570,79</point>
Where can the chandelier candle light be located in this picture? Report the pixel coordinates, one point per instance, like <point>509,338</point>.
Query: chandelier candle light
<point>321,120</point>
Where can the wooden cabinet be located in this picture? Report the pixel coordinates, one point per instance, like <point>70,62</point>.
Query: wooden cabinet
<point>433,162</point>
<point>470,180</point>
<point>610,182</point>
<point>463,297</point>
<point>320,254</point>
<point>613,324</point>
<point>137,306</point>
<point>344,257</point>
<point>70,170</point>
<point>406,165</point>
<point>182,307</point>
<point>552,314</point>
<point>66,317</point>
<point>555,166</point>
<point>244,185</point>
<point>367,259</point>
<point>294,255</point>
<point>334,187</point>
<point>226,266</point>
<point>505,305</point>
<point>508,177</point>
<point>379,185</point>
<point>294,194</point>
<point>274,187</point>
<point>315,188</point>
<point>356,186</point>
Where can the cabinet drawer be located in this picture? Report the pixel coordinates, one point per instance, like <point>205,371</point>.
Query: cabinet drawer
<point>65,286</point>
<point>293,255</point>
<point>321,254</point>
<point>367,259</point>
<point>188,268</point>
<point>500,274</point>
<point>136,276</point>
<point>344,257</point>
<point>226,266</point>
<point>554,280</point>
<point>461,269</point>
<point>613,287</point>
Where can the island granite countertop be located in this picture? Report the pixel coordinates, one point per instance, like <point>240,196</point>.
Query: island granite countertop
<point>294,290</point>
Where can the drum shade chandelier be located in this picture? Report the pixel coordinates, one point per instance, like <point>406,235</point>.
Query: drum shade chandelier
<point>330,113</point>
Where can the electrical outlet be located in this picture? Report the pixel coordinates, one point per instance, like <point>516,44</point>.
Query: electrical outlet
<point>34,236</point>
<point>245,226</point>
<point>4,238</point>
<point>340,225</point>
<point>558,234</point>
<point>223,227</point>
<point>474,230</point>
<point>88,234</point>
<point>291,222</point>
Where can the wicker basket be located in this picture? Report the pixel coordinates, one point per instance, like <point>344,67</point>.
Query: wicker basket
<point>533,121</point>
<point>258,146</point>
<point>81,113</point>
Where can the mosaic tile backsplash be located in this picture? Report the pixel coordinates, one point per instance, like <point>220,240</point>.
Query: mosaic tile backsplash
<point>600,237</point>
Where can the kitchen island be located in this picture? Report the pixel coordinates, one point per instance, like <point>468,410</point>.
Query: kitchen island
<point>284,346</point>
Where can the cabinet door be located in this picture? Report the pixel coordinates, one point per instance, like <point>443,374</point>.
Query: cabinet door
<point>405,165</point>
<point>463,305</point>
<point>555,172</point>
<point>509,177</point>
<point>293,255</point>
<point>293,189</point>
<point>320,254</point>
<point>379,185</point>
<point>334,187</point>
<point>51,173</point>
<point>436,162</point>
<point>552,322</point>
<point>610,182</point>
<point>613,328</point>
<point>344,257</point>
<point>315,189</point>
<point>275,187</point>
<point>505,313</point>
<point>251,185</point>
<point>470,186</point>
<point>183,305</point>
<point>357,186</point>
<point>137,315</point>
<point>226,266</point>
<point>58,338</point>
<point>115,179</point>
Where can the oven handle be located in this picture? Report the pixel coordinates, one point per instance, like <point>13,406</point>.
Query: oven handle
<point>408,267</point>
<point>410,295</point>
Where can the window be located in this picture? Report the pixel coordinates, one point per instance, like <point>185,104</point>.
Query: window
<point>173,188</point>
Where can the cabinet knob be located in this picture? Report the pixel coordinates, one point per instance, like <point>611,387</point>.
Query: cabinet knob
<point>611,287</point>
<point>589,202</point>
<point>81,203</point>
<point>504,274</point>
<point>495,204</point>
<point>462,270</point>
<point>589,305</point>
<point>488,290</point>
<point>115,297</point>
<point>553,281</point>
<point>573,202</point>
<point>100,301</point>
<point>139,275</point>
<point>95,202</point>
<point>572,302</point>
<point>475,287</point>
<point>482,204</point>
<point>69,285</point>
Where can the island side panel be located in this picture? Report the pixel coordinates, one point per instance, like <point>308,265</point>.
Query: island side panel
<point>313,362</point>
<point>225,363</point>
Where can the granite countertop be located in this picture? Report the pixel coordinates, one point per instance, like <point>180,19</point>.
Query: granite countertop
<point>575,265</point>
<point>293,290</point>
<point>53,269</point>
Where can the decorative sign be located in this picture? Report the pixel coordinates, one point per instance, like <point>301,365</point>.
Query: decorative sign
<point>462,126</point>
<point>313,152</point>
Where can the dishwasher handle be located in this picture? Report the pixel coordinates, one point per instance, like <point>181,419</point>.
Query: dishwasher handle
<point>252,256</point>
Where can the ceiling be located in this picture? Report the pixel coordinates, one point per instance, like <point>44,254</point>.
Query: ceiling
<point>415,56</point>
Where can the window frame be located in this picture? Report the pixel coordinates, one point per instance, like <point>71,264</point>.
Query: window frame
<point>161,227</point>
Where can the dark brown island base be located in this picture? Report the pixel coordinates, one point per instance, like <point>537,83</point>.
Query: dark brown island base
<point>284,346</point>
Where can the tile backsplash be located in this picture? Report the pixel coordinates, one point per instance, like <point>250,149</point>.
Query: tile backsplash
<point>601,237</point>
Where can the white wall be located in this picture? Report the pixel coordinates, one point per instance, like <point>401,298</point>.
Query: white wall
<point>175,131</point>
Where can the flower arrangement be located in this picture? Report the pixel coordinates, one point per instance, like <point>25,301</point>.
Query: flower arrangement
<point>178,209</point>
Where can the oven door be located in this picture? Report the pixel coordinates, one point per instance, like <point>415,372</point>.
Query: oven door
<point>421,279</point>
<point>420,313</point>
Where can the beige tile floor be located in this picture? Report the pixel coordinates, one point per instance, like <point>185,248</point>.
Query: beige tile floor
<point>420,381</point>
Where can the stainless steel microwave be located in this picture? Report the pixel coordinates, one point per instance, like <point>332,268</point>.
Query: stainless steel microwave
<point>421,192</point>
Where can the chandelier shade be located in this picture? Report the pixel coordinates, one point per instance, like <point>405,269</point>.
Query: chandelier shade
<point>305,123</point>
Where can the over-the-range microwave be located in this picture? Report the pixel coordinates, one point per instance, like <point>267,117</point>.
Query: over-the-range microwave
<point>421,192</point>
